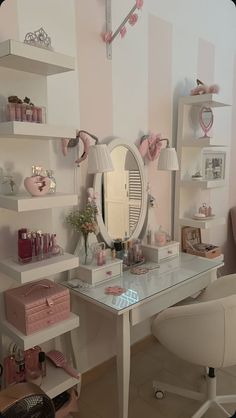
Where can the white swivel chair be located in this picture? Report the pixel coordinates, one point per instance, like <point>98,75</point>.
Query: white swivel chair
<point>203,333</point>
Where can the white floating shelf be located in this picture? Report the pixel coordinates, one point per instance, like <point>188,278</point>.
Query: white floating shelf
<point>23,57</point>
<point>211,100</point>
<point>35,130</point>
<point>57,381</point>
<point>23,202</point>
<point>24,273</point>
<point>27,341</point>
<point>210,223</point>
<point>201,143</point>
<point>203,184</point>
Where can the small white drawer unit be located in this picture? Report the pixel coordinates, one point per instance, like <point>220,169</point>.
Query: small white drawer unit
<point>160,253</point>
<point>94,274</point>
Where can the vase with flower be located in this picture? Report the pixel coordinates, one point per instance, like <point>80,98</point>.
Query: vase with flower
<point>84,221</point>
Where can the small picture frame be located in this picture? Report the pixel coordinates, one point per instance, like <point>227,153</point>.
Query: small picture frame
<point>213,164</point>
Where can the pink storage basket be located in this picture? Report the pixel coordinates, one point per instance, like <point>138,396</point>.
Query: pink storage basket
<point>37,305</point>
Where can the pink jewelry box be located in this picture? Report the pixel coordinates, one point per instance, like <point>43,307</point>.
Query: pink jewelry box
<point>37,305</point>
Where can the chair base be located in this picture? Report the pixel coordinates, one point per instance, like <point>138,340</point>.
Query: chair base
<point>209,398</point>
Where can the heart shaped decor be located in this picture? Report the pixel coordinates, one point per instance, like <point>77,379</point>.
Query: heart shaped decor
<point>37,185</point>
<point>206,119</point>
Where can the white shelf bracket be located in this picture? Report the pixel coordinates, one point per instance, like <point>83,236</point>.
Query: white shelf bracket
<point>110,36</point>
<point>108,28</point>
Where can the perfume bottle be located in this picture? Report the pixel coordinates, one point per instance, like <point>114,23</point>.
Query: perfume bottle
<point>24,247</point>
<point>42,363</point>
<point>20,366</point>
<point>53,184</point>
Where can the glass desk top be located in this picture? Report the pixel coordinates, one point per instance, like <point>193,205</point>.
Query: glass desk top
<point>140,287</point>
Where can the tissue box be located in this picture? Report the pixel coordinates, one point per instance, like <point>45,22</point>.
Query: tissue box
<point>37,305</point>
<point>160,253</point>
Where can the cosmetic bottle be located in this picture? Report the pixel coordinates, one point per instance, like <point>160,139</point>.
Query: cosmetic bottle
<point>55,247</point>
<point>9,365</point>
<point>20,366</point>
<point>42,363</point>
<point>24,248</point>
<point>130,253</point>
<point>53,184</point>
<point>32,371</point>
<point>118,248</point>
<point>125,254</point>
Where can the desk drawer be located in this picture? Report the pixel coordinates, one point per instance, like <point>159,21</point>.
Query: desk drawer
<point>168,251</point>
<point>93,274</point>
<point>157,253</point>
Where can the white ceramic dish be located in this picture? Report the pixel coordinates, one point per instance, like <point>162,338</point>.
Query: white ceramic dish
<point>203,218</point>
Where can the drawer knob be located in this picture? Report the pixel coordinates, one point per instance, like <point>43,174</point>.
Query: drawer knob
<point>109,273</point>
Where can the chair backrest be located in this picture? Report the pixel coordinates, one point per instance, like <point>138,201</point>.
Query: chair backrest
<point>202,333</point>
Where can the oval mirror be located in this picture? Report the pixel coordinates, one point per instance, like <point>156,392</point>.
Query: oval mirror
<point>121,193</point>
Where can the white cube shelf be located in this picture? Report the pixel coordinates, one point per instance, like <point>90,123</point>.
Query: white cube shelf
<point>57,381</point>
<point>25,273</point>
<point>23,202</point>
<point>210,223</point>
<point>27,341</point>
<point>35,130</point>
<point>23,57</point>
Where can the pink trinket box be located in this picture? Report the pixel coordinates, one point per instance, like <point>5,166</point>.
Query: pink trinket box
<point>37,305</point>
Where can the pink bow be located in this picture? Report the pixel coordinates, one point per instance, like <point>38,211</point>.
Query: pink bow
<point>133,19</point>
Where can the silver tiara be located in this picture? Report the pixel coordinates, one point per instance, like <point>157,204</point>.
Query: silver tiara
<point>38,38</point>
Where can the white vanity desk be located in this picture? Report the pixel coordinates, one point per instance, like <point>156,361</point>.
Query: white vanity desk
<point>146,295</point>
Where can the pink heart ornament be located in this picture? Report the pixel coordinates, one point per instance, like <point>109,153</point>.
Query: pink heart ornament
<point>37,185</point>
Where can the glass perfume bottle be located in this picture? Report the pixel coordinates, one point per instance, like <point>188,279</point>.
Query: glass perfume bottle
<point>53,185</point>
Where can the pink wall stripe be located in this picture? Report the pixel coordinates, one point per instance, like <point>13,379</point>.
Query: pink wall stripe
<point>206,61</point>
<point>95,71</point>
<point>160,109</point>
<point>9,28</point>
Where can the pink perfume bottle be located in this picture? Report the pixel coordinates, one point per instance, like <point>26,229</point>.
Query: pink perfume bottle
<point>24,247</point>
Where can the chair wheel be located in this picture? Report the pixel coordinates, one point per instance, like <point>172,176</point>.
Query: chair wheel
<point>159,394</point>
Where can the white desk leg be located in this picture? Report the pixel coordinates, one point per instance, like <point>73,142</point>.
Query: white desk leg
<point>123,363</point>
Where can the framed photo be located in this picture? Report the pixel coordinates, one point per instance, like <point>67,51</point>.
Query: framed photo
<point>213,164</point>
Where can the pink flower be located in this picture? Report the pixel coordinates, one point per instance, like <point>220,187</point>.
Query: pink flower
<point>133,19</point>
<point>106,36</point>
<point>123,31</point>
<point>139,4</point>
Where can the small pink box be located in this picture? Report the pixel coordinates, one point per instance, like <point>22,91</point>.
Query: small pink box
<point>37,305</point>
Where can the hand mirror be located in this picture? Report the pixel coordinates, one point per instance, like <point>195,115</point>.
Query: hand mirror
<point>206,120</point>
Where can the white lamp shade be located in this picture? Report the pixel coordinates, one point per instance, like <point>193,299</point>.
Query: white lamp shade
<point>99,159</point>
<point>168,160</point>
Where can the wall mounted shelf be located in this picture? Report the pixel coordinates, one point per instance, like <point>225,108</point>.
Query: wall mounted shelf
<point>24,203</point>
<point>27,341</point>
<point>57,381</point>
<point>210,223</point>
<point>35,130</point>
<point>201,143</point>
<point>203,184</point>
<point>211,99</point>
<point>22,57</point>
<point>25,273</point>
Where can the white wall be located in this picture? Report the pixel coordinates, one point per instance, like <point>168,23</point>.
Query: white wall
<point>112,98</point>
